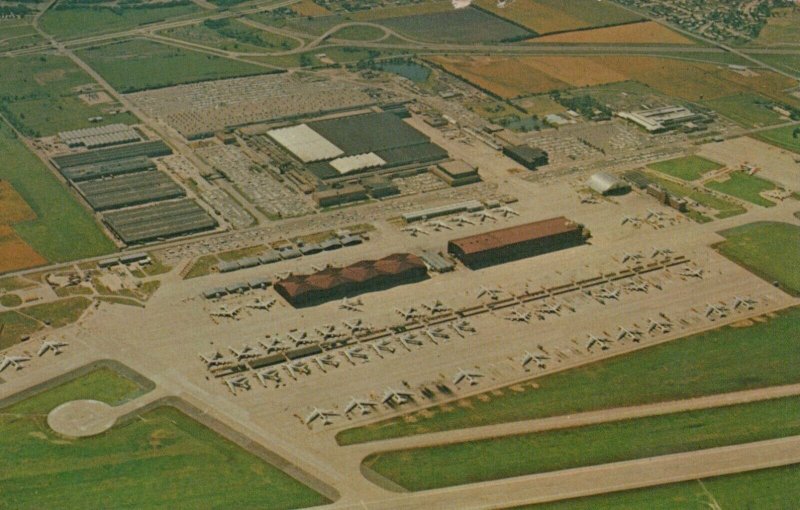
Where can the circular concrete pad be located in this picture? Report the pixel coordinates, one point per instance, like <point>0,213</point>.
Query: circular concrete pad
<point>81,418</point>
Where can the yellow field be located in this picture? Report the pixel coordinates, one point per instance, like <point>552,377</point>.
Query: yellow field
<point>402,10</point>
<point>540,18</point>
<point>510,77</point>
<point>16,254</point>
<point>541,105</point>
<point>506,77</point>
<point>309,8</point>
<point>647,32</point>
<point>13,207</point>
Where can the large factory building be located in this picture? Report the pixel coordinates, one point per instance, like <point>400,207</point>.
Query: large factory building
<point>514,243</point>
<point>358,278</point>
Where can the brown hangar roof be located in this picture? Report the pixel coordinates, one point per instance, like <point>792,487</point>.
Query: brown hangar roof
<point>513,235</point>
<point>360,272</point>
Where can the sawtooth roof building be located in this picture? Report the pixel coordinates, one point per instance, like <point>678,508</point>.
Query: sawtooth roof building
<point>361,277</point>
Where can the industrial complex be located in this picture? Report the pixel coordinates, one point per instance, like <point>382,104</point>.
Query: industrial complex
<point>396,255</point>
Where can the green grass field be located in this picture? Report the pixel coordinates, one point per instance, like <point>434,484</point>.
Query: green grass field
<point>704,364</point>
<point>30,319</point>
<point>768,489</point>
<point>786,138</point>
<point>14,326</point>
<point>82,21</point>
<point>58,313</point>
<point>138,65</point>
<point>744,186</point>
<point>62,230</point>
<point>18,36</point>
<point>461,463</point>
<point>359,33</point>
<point>38,94</point>
<point>689,168</point>
<point>769,250</point>
<point>748,110</point>
<point>160,459</point>
<point>724,208</point>
<point>232,36</point>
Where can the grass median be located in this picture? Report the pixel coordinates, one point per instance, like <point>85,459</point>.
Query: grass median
<point>505,457</point>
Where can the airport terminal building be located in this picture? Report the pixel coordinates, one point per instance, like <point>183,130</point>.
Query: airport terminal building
<point>514,243</point>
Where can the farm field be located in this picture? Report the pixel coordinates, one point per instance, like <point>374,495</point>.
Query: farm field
<point>768,489</point>
<point>309,8</point>
<point>161,459</point>
<point>704,364</point>
<point>511,77</point>
<point>69,23</point>
<point>16,254</point>
<point>463,26</point>
<point>60,219</point>
<point>460,463</point>
<point>746,109</point>
<point>724,208</point>
<point>135,65</point>
<point>689,168</point>
<point>397,11</point>
<point>231,36</point>
<point>545,16</point>
<point>744,186</point>
<point>782,27</point>
<point>767,249</point>
<point>15,37</point>
<point>786,138</point>
<point>646,32</point>
<point>41,97</point>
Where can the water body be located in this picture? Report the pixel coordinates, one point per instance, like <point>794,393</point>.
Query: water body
<point>414,72</point>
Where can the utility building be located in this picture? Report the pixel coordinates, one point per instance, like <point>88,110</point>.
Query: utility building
<point>514,243</point>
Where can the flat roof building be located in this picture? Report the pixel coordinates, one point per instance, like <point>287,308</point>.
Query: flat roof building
<point>456,173</point>
<point>527,156</point>
<point>514,243</point>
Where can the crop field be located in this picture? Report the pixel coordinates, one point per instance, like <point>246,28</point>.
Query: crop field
<point>16,254</point>
<point>463,26</point>
<point>689,168</point>
<point>783,27</point>
<point>39,96</point>
<point>60,219</point>
<point>139,65</point>
<point>746,109</point>
<point>525,454</point>
<point>160,459</point>
<point>724,208</point>
<point>309,8</point>
<point>511,77</point>
<point>546,16</point>
<point>768,489</point>
<point>767,249</point>
<point>704,364</point>
<point>646,32</point>
<point>15,37</point>
<point>786,137</point>
<point>744,186</point>
<point>231,36</point>
<point>72,22</point>
<point>430,7</point>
